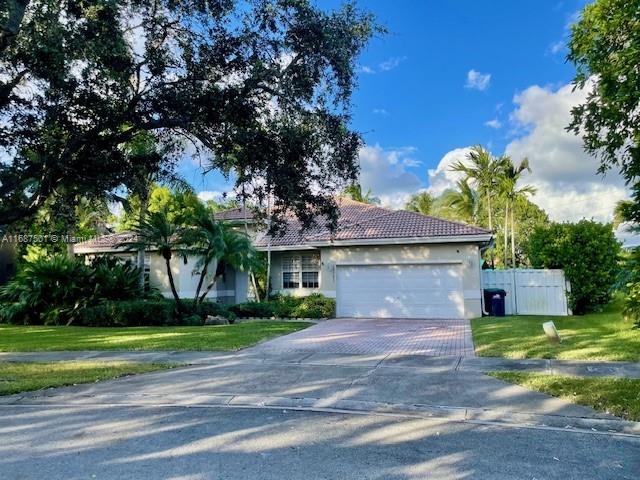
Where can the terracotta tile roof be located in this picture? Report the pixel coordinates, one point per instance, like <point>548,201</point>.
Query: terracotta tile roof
<point>109,241</point>
<point>360,221</point>
<point>239,213</point>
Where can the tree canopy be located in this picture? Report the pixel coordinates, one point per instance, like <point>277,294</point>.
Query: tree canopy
<point>605,48</point>
<point>259,89</point>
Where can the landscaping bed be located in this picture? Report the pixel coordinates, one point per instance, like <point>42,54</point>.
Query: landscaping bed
<point>617,396</point>
<point>23,377</point>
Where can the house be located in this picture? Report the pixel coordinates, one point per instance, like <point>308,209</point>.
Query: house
<point>231,288</point>
<point>379,263</point>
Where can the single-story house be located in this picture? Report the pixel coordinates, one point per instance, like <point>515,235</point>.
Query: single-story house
<point>379,263</point>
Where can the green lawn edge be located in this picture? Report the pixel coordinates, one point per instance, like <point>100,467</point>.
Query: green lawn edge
<point>596,336</point>
<point>211,338</point>
<point>616,396</point>
<point>18,377</point>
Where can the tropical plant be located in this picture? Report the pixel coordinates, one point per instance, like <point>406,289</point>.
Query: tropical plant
<point>587,251</point>
<point>463,202</point>
<point>116,279</point>
<point>510,191</point>
<point>157,232</point>
<point>49,290</point>
<point>421,202</point>
<point>354,192</point>
<point>483,170</point>
<point>236,251</point>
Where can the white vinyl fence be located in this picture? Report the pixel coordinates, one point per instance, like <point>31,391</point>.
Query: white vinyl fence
<point>530,291</point>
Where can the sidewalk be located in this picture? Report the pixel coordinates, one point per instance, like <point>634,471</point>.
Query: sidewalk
<point>444,364</point>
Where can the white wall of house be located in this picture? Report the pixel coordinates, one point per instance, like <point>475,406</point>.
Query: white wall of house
<point>463,258</point>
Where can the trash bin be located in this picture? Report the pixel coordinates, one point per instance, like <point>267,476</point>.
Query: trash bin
<point>494,301</point>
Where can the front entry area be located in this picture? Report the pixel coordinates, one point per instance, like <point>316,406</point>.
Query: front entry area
<point>400,291</point>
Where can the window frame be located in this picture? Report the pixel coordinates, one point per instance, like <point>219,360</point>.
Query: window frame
<point>295,267</point>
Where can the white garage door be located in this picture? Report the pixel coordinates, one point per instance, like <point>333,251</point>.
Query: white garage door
<point>400,291</point>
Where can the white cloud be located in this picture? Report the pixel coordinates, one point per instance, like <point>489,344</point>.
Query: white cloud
<point>380,111</point>
<point>384,171</point>
<point>557,47</point>
<point>493,123</point>
<point>478,81</point>
<point>442,178</point>
<point>384,66</point>
<point>214,195</point>
<point>569,187</point>
<point>391,63</point>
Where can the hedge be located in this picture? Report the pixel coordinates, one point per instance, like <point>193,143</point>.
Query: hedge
<point>284,306</point>
<point>151,313</point>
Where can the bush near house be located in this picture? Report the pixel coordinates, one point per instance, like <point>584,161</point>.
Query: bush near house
<point>55,290</point>
<point>286,306</point>
<point>587,251</point>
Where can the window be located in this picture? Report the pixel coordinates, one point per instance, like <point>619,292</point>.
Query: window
<point>291,272</point>
<point>301,270</point>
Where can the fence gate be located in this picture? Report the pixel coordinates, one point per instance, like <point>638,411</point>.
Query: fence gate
<point>530,291</point>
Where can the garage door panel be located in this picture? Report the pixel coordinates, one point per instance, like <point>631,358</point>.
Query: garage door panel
<point>400,291</point>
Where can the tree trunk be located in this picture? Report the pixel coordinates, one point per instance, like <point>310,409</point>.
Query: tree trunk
<point>144,205</point>
<point>513,239</point>
<point>491,249</point>
<point>176,297</point>
<point>210,285</point>
<point>268,282</point>
<point>506,234</point>
<point>203,274</point>
<point>11,27</point>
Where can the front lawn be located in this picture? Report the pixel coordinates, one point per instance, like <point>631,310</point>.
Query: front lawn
<point>228,337</point>
<point>22,377</point>
<point>617,396</point>
<point>596,336</point>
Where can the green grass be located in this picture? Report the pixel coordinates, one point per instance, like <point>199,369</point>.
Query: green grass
<point>617,396</point>
<point>22,377</point>
<point>228,337</point>
<point>596,336</point>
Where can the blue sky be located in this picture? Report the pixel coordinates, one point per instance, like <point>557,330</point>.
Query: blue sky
<point>451,74</point>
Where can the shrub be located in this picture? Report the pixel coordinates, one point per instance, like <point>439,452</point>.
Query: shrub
<point>129,313</point>
<point>315,306</point>
<point>253,309</point>
<point>48,291</point>
<point>116,280</point>
<point>210,308</point>
<point>588,253</point>
<point>631,306</point>
<point>286,306</point>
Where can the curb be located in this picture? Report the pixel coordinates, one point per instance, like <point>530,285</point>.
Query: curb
<point>582,425</point>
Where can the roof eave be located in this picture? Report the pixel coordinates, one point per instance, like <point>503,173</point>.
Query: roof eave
<point>309,245</point>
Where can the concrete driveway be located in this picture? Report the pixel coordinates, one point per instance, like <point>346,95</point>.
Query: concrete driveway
<point>379,336</point>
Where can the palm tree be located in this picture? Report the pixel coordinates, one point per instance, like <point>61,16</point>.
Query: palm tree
<point>156,231</point>
<point>207,238</point>
<point>354,192</point>
<point>464,202</point>
<point>421,202</point>
<point>622,212</point>
<point>483,169</point>
<point>510,192</point>
<point>237,251</point>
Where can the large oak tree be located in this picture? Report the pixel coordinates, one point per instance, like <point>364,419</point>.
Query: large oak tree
<point>260,89</point>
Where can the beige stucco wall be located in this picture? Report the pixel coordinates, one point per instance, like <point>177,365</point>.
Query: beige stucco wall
<point>465,255</point>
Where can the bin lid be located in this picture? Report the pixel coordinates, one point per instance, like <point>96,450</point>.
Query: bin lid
<point>494,291</point>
